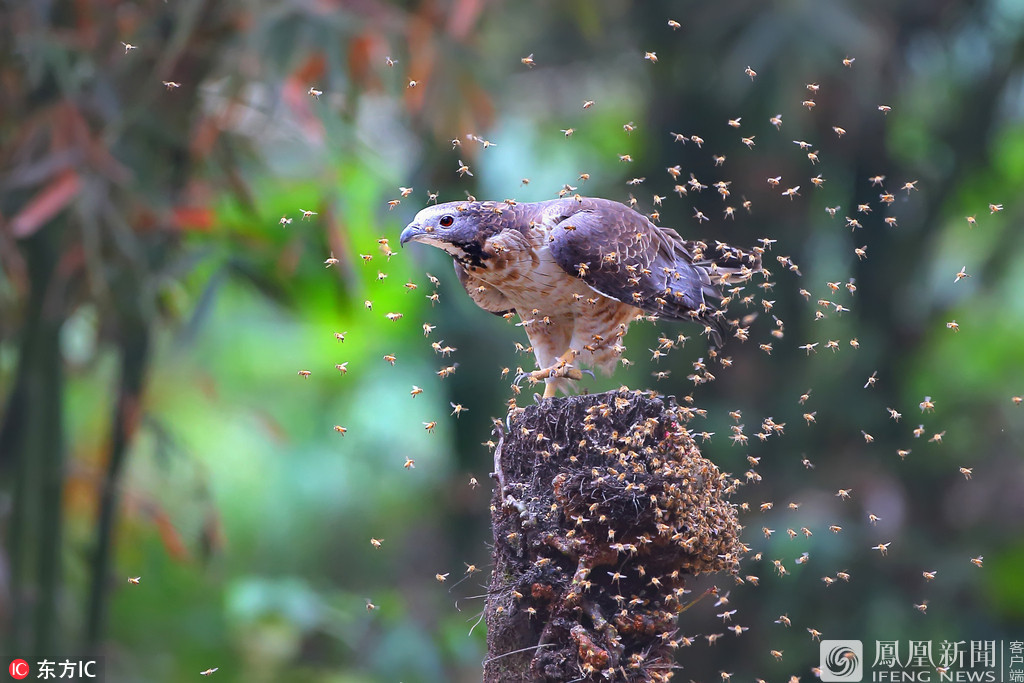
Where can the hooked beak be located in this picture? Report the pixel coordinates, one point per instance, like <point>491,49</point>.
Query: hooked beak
<point>412,233</point>
<point>417,232</point>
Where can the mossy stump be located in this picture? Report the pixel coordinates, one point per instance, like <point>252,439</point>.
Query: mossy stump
<point>603,506</point>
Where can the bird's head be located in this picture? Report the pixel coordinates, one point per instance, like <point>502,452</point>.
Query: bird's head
<point>459,228</point>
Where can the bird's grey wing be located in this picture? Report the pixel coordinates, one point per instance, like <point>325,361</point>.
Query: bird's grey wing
<point>621,254</point>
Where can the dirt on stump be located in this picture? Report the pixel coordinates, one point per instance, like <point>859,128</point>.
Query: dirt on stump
<point>604,505</point>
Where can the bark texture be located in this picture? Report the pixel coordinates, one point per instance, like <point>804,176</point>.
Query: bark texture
<point>604,505</point>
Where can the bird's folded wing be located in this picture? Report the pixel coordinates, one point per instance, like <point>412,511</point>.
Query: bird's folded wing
<point>622,255</point>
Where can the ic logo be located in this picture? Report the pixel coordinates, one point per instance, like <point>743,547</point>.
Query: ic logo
<point>842,661</point>
<point>18,669</point>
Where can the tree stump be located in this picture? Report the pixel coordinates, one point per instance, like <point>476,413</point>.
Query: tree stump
<point>603,506</point>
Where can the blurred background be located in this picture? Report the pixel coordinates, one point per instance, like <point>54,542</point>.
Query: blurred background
<point>157,308</point>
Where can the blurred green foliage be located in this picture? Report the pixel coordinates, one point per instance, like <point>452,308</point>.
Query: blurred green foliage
<point>154,315</point>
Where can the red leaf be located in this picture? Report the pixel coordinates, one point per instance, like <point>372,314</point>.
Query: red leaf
<point>47,203</point>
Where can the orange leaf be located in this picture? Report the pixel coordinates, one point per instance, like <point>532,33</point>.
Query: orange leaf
<point>193,218</point>
<point>47,203</point>
<point>169,535</point>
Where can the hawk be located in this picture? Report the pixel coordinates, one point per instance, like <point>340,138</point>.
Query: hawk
<point>577,271</point>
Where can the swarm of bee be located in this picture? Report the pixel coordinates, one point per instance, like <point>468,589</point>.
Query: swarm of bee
<point>604,506</point>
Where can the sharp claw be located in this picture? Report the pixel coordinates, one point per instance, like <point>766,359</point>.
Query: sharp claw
<point>537,398</point>
<point>588,372</point>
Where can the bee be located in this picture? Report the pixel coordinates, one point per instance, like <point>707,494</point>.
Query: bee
<point>134,580</point>
<point>953,325</point>
<point>409,464</point>
<point>994,208</point>
<point>429,426</point>
<point>927,405</point>
<point>341,430</point>
<point>844,494</point>
<point>412,83</point>
<point>473,483</point>
<point>390,359</point>
<point>840,132</point>
<point>389,61</point>
<point>784,620</point>
<point>652,57</point>
<point>331,261</point>
<point>528,61</point>
<point>810,104</point>
<point>464,169</point>
<point>831,210</point>
<point>587,104</point>
<point>884,108</point>
<point>340,336</point>
<point>458,409</point>
<point>441,578</point>
<point>699,141</point>
<point>376,542</point>
<point>428,328</point>
<point>675,25</point>
<point>977,561</point>
<point>848,61</point>
<point>903,453</point>
<point>209,672</point>
<point>835,528</point>
<point>625,158</point>
<point>129,46</point>
<point>394,317</point>
<point>735,123</point>
<point>306,214</point>
<point>416,391</point>
<point>871,380</point>
<point>370,606</point>
<point>171,85</point>
<point>749,142</point>
<point>967,472</point>
<point>313,92</point>
<point>342,367</point>
<point>304,373</point>
<point>750,72</point>
<point>882,548</point>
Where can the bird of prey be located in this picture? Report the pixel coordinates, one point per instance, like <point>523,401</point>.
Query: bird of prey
<point>576,271</point>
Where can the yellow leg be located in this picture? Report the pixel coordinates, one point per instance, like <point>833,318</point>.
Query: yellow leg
<point>562,368</point>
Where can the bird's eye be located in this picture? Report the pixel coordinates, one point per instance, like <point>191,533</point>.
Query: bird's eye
<point>446,221</point>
